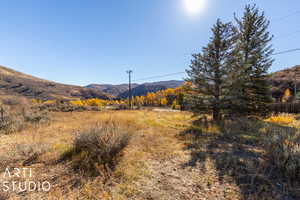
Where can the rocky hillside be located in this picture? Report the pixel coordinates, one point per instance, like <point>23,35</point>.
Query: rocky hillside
<point>13,83</point>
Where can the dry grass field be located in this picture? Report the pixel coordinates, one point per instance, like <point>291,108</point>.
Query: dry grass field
<point>154,155</point>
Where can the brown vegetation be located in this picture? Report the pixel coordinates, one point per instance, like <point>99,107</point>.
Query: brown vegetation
<point>17,113</point>
<point>260,157</point>
<point>88,155</point>
<point>19,84</point>
<point>95,151</point>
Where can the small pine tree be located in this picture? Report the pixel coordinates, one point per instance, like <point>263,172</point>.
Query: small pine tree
<point>209,72</point>
<point>252,58</point>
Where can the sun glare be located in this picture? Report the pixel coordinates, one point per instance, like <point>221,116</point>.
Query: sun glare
<point>193,7</point>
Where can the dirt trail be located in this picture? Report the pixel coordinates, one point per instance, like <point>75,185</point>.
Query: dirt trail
<point>175,178</point>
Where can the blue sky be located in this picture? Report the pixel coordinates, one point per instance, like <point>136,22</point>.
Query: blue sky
<point>96,41</point>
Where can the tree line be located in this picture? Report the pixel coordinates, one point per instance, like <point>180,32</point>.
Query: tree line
<point>170,97</point>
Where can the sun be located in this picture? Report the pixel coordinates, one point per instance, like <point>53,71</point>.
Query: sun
<point>194,7</point>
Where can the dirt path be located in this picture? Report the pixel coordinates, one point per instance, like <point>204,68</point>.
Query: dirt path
<point>172,181</point>
<point>175,178</point>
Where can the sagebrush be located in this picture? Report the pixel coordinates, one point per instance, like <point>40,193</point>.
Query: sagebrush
<point>96,150</point>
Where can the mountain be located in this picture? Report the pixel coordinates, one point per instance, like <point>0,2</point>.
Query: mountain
<point>121,91</point>
<point>283,79</point>
<point>114,90</point>
<point>144,88</point>
<point>13,83</point>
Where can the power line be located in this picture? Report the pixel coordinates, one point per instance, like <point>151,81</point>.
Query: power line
<point>285,35</point>
<point>282,18</point>
<point>274,54</point>
<point>176,73</point>
<point>159,76</point>
<point>286,51</point>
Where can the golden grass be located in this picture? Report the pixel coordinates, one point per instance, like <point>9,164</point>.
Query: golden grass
<point>155,141</point>
<point>154,138</point>
<point>154,156</point>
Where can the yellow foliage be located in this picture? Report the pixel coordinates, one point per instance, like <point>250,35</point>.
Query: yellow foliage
<point>163,101</point>
<point>159,98</point>
<point>91,102</point>
<point>37,101</point>
<point>78,103</point>
<point>150,98</point>
<point>49,102</point>
<point>94,102</point>
<point>287,92</point>
<point>285,119</point>
<point>286,95</point>
<point>169,91</point>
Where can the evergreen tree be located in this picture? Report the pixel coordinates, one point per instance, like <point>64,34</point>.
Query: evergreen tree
<point>252,58</point>
<point>208,72</point>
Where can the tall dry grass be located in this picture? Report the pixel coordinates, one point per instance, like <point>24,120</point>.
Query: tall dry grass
<point>96,151</point>
<point>261,156</point>
<point>283,150</point>
<point>108,154</point>
<point>17,113</point>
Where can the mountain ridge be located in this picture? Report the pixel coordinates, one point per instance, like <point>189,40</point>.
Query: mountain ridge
<point>121,90</point>
<point>15,83</point>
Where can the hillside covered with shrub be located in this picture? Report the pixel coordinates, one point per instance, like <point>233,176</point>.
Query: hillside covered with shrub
<point>13,83</point>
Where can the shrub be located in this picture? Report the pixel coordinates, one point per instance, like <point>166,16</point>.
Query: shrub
<point>27,150</point>
<point>14,119</point>
<point>96,151</point>
<point>242,129</point>
<point>62,107</point>
<point>10,101</point>
<point>14,101</point>
<point>35,116</point>
<point>283,150</point>
<point>9,121</point>
<point>281,143</point>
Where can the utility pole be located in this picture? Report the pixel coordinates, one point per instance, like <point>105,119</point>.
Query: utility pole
<point>130,94</point>
<point>295,89</point>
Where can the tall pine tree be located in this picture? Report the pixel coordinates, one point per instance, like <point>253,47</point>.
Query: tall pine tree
<point>209,72</point>
<point>250,92</point>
